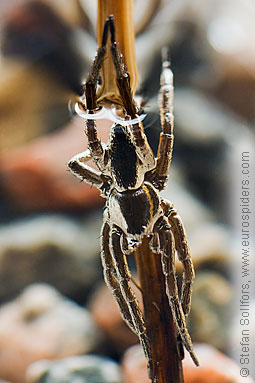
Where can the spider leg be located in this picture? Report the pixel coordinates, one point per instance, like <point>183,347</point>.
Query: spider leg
<point>159,176</point>
<point>123,81</point>
<point>111,280</point>
<point>167,247</point>
<point>77,165</point>
<point>90,89</point>
<point>183,253</point>
<point>142,146</point>
<point>81,170</point>
<point>124,277</point>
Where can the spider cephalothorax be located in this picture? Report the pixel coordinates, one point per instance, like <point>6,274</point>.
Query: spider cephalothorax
<point>130,177</point>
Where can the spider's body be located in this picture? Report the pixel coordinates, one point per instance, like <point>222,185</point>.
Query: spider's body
<point>130,177</point>
<point>134,211</point>
<point>133,205</point>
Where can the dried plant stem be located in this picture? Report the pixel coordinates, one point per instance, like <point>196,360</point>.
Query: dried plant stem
<point>166,363</point>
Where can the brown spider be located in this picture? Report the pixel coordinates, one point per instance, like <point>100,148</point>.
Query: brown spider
<point>131,178</point>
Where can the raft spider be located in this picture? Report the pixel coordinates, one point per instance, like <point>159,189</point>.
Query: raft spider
<point>130,177</point>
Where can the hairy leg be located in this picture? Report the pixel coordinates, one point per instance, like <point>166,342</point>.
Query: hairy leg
<point>167,248</point>
<point>90,86</point>
<point>81,170</point>
<point>159,176</point>
<point>183,252</point>
<point>91,106</point>
<point>111,280</point>
<point>77,165</point>
<point>124,277</point>
<point>122,76</point>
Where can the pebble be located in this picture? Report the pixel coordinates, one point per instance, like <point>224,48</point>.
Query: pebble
<point>35,177</point>
<point>210,314</point>
<point>52,249</point>
<point>190,208</point>
<point>36,49</point>
<point>210,246</point>
<point>41,323</point>
<point>215,367</point>
<point>134,365</point>
<point>77,369</point>
<point>106,315</point>
<point>202,121</point>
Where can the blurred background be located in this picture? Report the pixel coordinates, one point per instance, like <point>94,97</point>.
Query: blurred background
<point>53,301</point>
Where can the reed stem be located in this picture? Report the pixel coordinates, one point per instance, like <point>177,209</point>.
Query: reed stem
<point>166,363</point>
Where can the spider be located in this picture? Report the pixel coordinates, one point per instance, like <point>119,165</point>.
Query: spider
<point>130,177</point>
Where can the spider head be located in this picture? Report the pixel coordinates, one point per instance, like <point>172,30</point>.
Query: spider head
<point>118,130</point>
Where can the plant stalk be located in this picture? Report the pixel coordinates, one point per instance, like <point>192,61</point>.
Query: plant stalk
<point>166,363</point>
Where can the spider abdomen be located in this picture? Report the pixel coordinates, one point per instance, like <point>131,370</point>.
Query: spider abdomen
<point>134,211</point>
